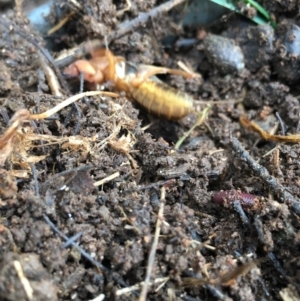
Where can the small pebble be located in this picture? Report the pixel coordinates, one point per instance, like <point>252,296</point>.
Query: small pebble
<point>224,54</point>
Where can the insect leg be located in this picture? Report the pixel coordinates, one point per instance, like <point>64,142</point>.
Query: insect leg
<point>112,60</point>
<point>146,71</point>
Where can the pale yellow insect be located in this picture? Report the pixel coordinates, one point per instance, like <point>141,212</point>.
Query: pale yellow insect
<point>138,82</point>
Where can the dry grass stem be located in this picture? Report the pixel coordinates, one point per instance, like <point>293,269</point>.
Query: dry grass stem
<point>17,142</point>
<point>61,23</point>
<point>51,76</point>
<point>137,286</point>
<point>101,297</point>
<point>123,29</point>
<point>254,127</point>
<point>124,145</point>
<point>25,282</point>
<point>107,179</point>
<point>69,101</point>
<point>6,140</point>
<point>154,245</point>
<point>130,221</point>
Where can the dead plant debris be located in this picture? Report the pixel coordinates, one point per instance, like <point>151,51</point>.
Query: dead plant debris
<point>98,202</point>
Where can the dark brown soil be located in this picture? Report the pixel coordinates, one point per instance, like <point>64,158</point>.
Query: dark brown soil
<point>53,180</point>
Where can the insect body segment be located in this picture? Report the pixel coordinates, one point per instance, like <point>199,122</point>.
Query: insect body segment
<point>162,100</point>
<point>138,82</point>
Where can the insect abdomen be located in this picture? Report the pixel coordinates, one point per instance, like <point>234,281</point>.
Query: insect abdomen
<point>162,100</point>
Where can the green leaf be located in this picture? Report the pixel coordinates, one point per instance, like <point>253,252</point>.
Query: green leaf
<point>262,17</point>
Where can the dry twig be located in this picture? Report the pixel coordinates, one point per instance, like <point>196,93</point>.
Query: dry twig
<point>51,77</point>
<point>226,279</point>
<point>123,29</point>
<point>142,18</point>
<point>107,179</point>
<point>25,282</point>
<point>70,100</point>
<point>7,141</point>
<point>135,287</point>
<point>130,221</point>
<point>61,23</point>
<point>263,173</point>
<point>101,297</point>
<point>154,246</point>
<point>252,126</point>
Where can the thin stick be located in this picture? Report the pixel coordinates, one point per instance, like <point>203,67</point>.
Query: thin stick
<point>262,172</point>
<point>123,29</point>
<point>142,18</point>
<point>135,287</point>
<point>69,101</point>
<point>71,240</point>
<point>17,120</point>
<point>51,77</point>
<point>61,23</point>
<point>76,246</point>
<point>129,220</point>
<point>282,125</point>
<point>25,282</point>
<point>100,266</point>
<point>101,297</point>
<point>154,245</point>
<point>270,152</point>
<point>201,118</point>
<point>252,126</point>
<point>107,179</point>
